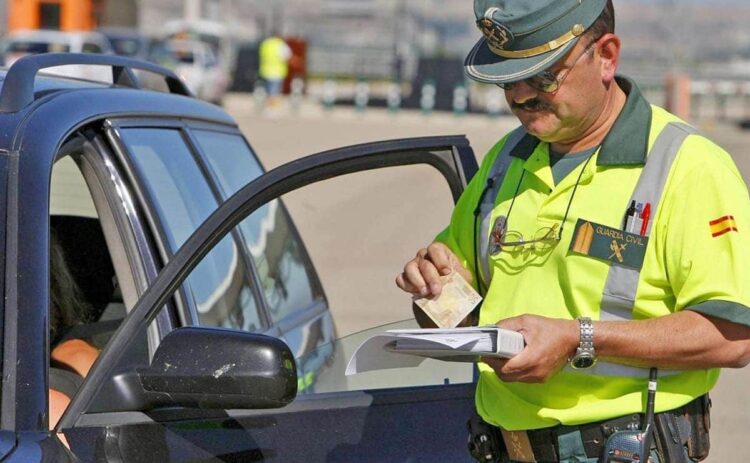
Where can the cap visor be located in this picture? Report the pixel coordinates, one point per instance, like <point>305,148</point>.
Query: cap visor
<point>483,65</point>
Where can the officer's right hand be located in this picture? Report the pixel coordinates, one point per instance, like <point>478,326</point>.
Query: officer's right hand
<point>421,275</point>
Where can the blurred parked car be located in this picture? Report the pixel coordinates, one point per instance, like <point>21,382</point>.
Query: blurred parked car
<point>30,42</point>
<point>127,41</point>
<point>196,64</point>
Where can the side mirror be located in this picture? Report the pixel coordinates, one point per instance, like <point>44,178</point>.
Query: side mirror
<point>214,368</point>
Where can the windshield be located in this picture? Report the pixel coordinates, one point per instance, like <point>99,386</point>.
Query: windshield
<point>126,47</point>
<point>323,370</point>
<point>36,47</point>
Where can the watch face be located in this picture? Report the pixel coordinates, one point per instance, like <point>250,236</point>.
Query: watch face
<point>583,360</point>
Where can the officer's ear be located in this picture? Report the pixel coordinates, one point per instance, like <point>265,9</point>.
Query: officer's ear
<point>608,53</point>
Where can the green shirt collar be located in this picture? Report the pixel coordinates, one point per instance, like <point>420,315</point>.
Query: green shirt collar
<point>627,141</point>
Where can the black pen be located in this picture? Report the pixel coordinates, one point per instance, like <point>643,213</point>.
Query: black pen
<point>629,215</point>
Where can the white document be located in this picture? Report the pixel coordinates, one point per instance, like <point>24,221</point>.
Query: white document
<point>409,348</point>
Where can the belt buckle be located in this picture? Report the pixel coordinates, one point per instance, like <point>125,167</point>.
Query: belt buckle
<point>518,446</point>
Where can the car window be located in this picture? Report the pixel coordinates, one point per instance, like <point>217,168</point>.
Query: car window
<point>284,269</point>
<point>353,227</point>
<point>88,294</point>
<point>220,286</point>
<point>125,46</point>
<point>32,47</point>
<point>182,54</point>
<point>89,47</point>
<point>332,377</point>
<point>210,58</point>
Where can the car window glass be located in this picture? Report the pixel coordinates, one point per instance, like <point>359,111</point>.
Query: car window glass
<point>33,47</point>
<point>126,47</point>
<point>87,303</point>
<point>89,47</point>
<point>183,200</point>
<point>210,58</point>
<point>70,195</point>
<point>360,229</point>
<point>282,264</point>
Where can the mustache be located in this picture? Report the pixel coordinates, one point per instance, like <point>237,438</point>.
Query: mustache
<point>531,105</point>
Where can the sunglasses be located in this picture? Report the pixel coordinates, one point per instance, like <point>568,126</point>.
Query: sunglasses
<point>548,81</point>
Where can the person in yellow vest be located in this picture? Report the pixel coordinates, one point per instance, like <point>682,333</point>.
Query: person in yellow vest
<point>274,56</point>
<point>608,232</point>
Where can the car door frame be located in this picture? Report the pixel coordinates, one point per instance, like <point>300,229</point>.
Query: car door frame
<point>450,155</point>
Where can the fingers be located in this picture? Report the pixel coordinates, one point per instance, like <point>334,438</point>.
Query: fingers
<point>516,370</point>
<point>421,275</point>
<point>549,343</point>
<point>441,257</point>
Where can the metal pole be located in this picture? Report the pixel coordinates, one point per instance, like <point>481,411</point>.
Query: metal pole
<point>192,10</point>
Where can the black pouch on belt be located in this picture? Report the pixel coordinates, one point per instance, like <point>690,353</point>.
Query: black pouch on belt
<point>686,427</point>
<point>485,443</point>
<point>671,436</point>
<point>698,413</point>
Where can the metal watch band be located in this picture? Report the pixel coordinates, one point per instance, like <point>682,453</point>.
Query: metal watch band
<point>587,334</point>
<point>585,357</point>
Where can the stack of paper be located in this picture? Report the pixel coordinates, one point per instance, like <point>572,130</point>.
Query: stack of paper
<point>456,344</point>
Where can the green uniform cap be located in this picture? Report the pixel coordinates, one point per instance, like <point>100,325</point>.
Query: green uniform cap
<point>524,37</point>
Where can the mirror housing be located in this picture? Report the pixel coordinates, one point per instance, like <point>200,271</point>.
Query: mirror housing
<point>215,368</point>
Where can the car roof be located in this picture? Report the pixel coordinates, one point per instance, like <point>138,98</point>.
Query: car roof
<point>25,92</point>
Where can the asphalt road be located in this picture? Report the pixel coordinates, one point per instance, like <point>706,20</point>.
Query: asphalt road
<point>361,230</point>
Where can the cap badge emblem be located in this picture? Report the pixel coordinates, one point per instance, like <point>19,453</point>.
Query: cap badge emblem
<point>496,34</point>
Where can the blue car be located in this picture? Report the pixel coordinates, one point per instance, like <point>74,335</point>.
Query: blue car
<point>215,338</point>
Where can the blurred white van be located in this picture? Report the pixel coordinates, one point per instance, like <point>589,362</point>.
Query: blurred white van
<point>196,64</point>
<point>28,42</point>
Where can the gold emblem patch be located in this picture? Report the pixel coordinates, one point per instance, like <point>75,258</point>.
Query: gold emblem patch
<point>496,34</point>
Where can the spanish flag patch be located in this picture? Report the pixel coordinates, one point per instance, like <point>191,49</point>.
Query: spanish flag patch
<point>722,225</point>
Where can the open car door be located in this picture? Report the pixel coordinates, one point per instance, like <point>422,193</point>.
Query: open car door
<point>212,394</point>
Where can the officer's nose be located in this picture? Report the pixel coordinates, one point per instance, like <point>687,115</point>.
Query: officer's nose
<point>522,92</point>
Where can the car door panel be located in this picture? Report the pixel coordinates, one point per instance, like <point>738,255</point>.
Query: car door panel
<point>398,424</point>
<point>350,427</point>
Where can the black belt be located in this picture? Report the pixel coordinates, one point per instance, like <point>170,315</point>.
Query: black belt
<point>545,446</point>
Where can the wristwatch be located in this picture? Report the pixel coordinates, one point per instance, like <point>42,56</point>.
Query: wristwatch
<point>585,357</point>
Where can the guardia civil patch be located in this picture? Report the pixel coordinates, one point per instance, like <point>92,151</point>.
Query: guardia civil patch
<point>722,225</point>
<point>610,244</point>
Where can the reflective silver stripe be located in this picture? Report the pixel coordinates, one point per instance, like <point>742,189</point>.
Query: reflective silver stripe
<point>497,174</point>
<point>604,368</point>
<point>619,291</point>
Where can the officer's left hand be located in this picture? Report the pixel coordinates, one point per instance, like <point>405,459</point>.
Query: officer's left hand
<point>549,344</point>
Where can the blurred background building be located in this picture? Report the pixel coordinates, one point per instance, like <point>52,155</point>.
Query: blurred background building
<point>414,43</point>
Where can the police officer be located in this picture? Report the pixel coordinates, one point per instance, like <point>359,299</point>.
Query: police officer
<point>274,55</point>
<point>605,230</point>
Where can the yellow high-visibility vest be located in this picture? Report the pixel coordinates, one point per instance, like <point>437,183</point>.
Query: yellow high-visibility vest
<point>274,55</point>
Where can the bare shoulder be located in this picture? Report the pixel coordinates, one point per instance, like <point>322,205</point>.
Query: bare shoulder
<point>77,354</point>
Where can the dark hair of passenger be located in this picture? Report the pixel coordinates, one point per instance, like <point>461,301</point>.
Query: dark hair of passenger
<point>67,306</point>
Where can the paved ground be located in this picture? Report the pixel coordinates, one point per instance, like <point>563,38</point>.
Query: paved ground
<point>361,230</point>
